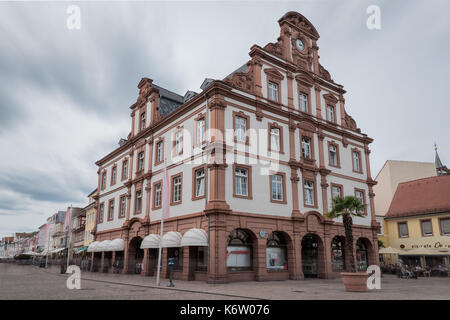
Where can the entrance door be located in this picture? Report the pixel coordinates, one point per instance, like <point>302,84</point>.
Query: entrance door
<point>310,253</point>
<point>135,255</point>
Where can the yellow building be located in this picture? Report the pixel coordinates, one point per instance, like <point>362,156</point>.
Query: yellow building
<point>91,212</point>
<point>418,221</point>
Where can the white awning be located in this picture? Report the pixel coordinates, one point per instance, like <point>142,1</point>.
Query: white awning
<point>57,250</point>
<point>195,237</point>
<point>150,242</point>
<point>116,245</point>
<point>172,239</point>
<point>93,247</point>
<point>104,245</point>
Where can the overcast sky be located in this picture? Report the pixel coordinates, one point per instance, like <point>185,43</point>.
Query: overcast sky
<point>65,94</point>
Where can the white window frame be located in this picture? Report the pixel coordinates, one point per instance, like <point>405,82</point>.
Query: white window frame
<point>176,196</point>
<point>200,131</point>
<point>240,125</point>
<point>306,147</point>
<point>273,91</point>
<point>333,155</point>
<point>277,187</point>
<point>200,182</point>
<point>309,187</point>
<point>303,99</point>
<point>275,139</point>
<point>241,181</point>
<point>330,113</point>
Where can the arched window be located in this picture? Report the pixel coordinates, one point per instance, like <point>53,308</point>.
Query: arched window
<point>276,253</point>
<point>337,254</point>
<point>239,251</point>
<point>361,255</point>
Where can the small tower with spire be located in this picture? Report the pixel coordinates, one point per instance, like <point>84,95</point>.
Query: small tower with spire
<point>440,168</point>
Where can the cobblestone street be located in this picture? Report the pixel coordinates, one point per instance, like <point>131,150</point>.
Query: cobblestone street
<point>31,282</point>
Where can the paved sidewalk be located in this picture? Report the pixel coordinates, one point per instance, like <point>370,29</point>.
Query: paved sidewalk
<point>392,288</point>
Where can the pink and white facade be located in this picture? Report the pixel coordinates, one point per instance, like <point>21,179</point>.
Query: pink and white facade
<point>272,143</point>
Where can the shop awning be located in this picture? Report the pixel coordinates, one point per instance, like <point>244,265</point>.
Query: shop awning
<point>172,239</point>
<point>195,237</point>
<point>117,245</point>
<point>150,242</point>
<point>426,252</point>
<point>390,250</point>
<point>104,245</point>
<point>93,247</point>
<point>79,250</point>
<point>57,250</point>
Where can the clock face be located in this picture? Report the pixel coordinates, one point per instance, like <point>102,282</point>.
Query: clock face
<point>300,44</point>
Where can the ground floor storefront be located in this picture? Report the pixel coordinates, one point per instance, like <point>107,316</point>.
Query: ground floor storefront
<point>243,247</point>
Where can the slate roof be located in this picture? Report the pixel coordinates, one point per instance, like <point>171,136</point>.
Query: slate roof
<point>168,100</point>
<point>422,196</point>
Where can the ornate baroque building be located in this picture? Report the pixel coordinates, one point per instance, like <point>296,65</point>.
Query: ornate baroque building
<point>269,183</point>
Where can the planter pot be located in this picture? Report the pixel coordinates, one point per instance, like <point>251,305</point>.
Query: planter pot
<point>355,281</point>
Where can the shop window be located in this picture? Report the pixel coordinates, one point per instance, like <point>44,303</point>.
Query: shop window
<point>276,252</point>
<point>338,254</point>
<point>239,251</point>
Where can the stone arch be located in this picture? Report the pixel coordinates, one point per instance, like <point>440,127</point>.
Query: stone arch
<point>277,250</point>
<point>339,256</point>
<point>364,254</point>
<point>313,256</point>
<point>241,243</point>
<point>135,254</point>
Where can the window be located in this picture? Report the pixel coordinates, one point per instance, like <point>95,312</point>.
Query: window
<point>123,206</point>
<point>124,169</point>
<point>157,189</point>
<point>138,208</point>
<point>308,188</point>
<point>445,226</point>
<point>141,161</point>
<point>178,143</point>
<point>356,161</point>
<point>240,124</point>
<point>200,131</point>
<point>330,113</point>
<point>303,102</point>
<point>275,139</point>
<point>201,261</point>
<point>100,212</point>
<point>427,229</point>
<point>159,152</point>
<point>176,189</point>
<point>333,155</point>
<point>199,183</point>
<point>360,195</point>
<point>104,180</point>
<point>277,188</point>
<point>306,147</point>
<point>143,121</point>
<point>403,230</point>
<point>336,191</point>
<point>113,175</point>
<point>111,210</point>
<point>241,182</point>
<point>273,91</point>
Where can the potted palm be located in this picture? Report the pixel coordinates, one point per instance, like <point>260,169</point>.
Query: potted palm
<point>348,207</point>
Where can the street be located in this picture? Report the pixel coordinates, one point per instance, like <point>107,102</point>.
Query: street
<point>32,282</point>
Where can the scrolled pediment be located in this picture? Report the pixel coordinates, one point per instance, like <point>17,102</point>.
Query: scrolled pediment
<point>274,73</point>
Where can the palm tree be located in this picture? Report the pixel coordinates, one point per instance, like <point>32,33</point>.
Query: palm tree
<point>347,207</point>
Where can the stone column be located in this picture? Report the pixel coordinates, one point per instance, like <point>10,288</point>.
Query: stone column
<point>144,271</point>
<point>290,77</point>
<point>113,259</point>
<point>164,267</point>
<point>318,107</point>
<point>188,271</point>
<point>295,258</point>
<point>217,264</point>
<point>102,264</point>
<point>91,269</point>
<point>260,265</point>
<point>125,255</point>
